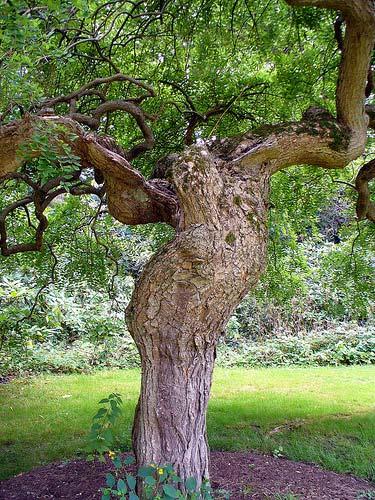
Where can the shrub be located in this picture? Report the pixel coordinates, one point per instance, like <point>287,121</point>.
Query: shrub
<point>81,356</point>
<point>343,344</point>
<point>159,482</point>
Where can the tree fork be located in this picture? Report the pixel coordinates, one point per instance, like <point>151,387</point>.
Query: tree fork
<point>183,301</point>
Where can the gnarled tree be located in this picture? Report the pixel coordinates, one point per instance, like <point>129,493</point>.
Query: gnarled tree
<point>216,196</point>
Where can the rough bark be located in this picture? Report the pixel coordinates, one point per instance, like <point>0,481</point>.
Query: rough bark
<point>365,207</point>
<point>184,299</point>
<point>131,198</point>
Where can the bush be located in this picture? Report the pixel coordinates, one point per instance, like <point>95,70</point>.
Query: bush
<point>343,344</point>
<point>299,317</point>
<point>81,356</point>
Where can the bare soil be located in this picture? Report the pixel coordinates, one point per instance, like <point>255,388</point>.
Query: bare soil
<point>245,475</point>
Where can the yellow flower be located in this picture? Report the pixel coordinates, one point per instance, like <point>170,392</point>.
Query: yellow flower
<point>160,471</point>
<point>111,454</point>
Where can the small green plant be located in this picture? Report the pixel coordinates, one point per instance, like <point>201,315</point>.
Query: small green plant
<point>156,481</point>
<point>102,438</point>
<point>278,452</point>
<point>286,496</point>
<point>366,495</point>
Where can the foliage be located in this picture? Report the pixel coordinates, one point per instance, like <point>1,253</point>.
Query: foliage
<point>158,481</point>
<point>344,344</point>
<point>56,157</point>
<point>321,266</point>
<point>59,330</point>
<point>340,344</point>
<point>78,357</point>
<point>312,310</point>
<point>259,72</point>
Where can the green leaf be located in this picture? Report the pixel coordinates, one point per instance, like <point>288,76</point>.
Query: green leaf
<point>101,412</point>
<point>106,496</point>
<point>145,471</point>
<point>151,481</point>
<point>117,462</point>
<point>121,486</point>
<point>110,480</point>
<point>108,435</point>
<point>131,481</point>
<point>170,491</point>
<point>191,484</point>
<point>129,460</point>
<point>133,496</point>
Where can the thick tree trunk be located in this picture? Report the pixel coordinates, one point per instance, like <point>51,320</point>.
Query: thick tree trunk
<point>183,301</point>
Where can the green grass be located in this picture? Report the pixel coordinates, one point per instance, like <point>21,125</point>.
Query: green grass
<point>321,415</point>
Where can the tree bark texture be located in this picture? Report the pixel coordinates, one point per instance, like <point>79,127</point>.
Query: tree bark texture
<point>184,299</point>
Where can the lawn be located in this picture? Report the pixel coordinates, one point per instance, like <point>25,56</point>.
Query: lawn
<point>322,415</point>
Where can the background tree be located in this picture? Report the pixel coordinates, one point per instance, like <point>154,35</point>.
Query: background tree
<point>215,194</point>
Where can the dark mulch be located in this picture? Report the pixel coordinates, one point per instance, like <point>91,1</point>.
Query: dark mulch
<point>245,475</point>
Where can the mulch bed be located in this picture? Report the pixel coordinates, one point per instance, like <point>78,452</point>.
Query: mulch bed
<point>245,475</point>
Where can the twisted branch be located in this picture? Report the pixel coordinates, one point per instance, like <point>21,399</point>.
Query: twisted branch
<point>92,120</point>
<point>41,198</point>
<point>319,138</point>
<point>365,207</point>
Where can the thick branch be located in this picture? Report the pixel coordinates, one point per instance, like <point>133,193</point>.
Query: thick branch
<point>131,199</point>
<point>319,138</point>
<point>359,16</point>
<point>370,110</point>
<point>365,207</point>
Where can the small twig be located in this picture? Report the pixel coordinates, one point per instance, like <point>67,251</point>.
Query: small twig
<point>107,250</point>
<point>353,246</point>
<point>50,281</point>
